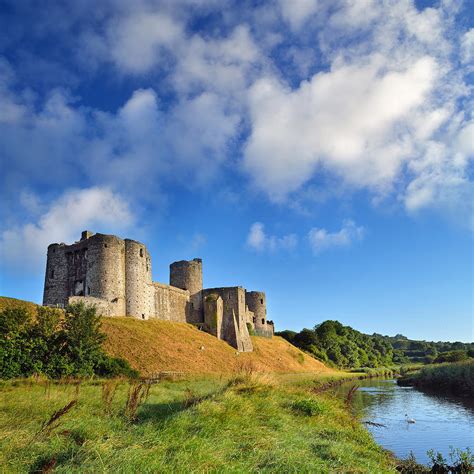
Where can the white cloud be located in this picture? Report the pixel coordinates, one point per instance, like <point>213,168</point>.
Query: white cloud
<point>467,47</point>
<point>258,240</point>
<point>133,149</point>
<point>135,41</point>
<point>351,120</point>
<point>99,209</point>
<point>298,12</point>
<point>320,239</point>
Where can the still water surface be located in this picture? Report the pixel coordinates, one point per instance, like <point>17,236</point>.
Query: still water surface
<point>440,421</point>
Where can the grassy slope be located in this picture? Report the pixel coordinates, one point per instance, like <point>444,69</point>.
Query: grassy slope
<point>6,302</point>
<point>155,346</point>
<point>249,426</point>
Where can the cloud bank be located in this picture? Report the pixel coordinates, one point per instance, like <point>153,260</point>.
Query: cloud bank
<point>284,98</point>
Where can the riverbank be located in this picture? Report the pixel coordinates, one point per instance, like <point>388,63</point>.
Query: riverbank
<point>249,422</point>
<point>456,378</point>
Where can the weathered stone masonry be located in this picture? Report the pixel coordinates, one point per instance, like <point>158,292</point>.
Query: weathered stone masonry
<point>115,276</point>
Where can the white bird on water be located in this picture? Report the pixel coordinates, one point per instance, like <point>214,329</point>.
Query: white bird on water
<point>409,420</point>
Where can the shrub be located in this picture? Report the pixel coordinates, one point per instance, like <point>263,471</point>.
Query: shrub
<point>308,407</point>
<point>451,356</point>
<point>55,344</point>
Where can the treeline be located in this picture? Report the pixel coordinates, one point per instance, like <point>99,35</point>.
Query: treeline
<point>344,347</point>
<point>55,344</point>
<point>427,352</point>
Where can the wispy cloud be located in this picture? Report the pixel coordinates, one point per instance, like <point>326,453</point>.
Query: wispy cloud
<point>260,241</point>
<point>99,209</point>
<point>321,239</point>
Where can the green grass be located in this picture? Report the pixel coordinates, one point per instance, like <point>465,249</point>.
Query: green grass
<point>249,423</point>
<point>456,377</point>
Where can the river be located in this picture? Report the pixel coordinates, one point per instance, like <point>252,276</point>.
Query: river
<point>441,421</point>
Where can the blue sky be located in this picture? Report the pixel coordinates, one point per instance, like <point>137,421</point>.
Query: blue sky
<point>319,151</point>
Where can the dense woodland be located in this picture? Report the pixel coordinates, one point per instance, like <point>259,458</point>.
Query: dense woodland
<point>344,347</point>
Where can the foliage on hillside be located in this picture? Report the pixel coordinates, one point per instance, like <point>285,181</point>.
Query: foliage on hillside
<point>457,378</point>
<point>412,351</point>
<point>54,343</point>
<point>342,346</point>
<point>333,343</point>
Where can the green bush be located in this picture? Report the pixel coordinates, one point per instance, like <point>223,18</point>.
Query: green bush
<point>54,344</point>
<point>457,377</point>
<point>451,356</point>
<point>308,407</point>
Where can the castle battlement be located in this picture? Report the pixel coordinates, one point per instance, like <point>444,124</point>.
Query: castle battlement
<point>114,274</point>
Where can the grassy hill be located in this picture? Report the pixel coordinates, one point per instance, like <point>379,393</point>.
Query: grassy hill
<point>154,346</point>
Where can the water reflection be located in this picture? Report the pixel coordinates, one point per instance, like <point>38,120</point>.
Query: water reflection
<point>441,421</point>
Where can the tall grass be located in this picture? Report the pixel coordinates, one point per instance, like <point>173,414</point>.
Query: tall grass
<point>245,424</point>
<point>455,377</point>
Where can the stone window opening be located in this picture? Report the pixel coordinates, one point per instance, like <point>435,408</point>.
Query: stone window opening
<point>88,290</point>
<point>105,245</point>
<point>51,275</point>
<point>254,319</point>
<point>141,252</point>
<point>263,320</point>
<point>143,316</point>
<point>261,301</point>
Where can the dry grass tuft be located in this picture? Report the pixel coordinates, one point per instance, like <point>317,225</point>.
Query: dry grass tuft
<point>109,388</point>
<point>55,419</point>
<point>246,378</point>
<point>138,393</point>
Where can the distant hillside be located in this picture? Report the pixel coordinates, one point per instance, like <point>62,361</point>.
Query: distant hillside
<point>344,347</point>
<point>153,346</point>
<point>410,350</point>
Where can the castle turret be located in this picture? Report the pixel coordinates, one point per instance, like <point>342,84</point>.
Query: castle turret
<point>256,302</point>
<point>103,275</point>
<point>55,282</point>
<point>187,275</point>
<point>139,290</point>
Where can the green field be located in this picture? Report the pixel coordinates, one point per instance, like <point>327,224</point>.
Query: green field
<point>248,422</point>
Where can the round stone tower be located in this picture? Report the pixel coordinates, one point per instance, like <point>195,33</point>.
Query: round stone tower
<point>256,302</point>
<point>187,275</point>
<point>105,277</point>
<point>56,281</point>
<point>138,288</point>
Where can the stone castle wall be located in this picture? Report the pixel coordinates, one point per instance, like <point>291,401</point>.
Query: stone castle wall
<point>171,304</point>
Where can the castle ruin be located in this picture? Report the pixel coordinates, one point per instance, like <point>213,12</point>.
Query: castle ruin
<point>115,275</point>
